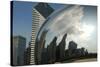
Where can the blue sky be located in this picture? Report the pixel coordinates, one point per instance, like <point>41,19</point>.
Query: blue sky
<point>22,17</point>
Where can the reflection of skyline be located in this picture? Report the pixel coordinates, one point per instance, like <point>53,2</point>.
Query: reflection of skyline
<point>67,33</point>
<point>57,53</point>
<point>23,27</point>
<point>72,22</point>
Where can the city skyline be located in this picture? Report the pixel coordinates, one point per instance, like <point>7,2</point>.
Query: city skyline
<point>22,23</point>
<point>48,33</point>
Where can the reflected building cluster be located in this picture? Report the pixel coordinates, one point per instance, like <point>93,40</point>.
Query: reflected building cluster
<point>57,53</point>
<point>73,51</point>
<point>36,52</point>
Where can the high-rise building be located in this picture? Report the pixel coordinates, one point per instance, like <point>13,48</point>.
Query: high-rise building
<point>40,48</point>
<point>61,47</point>
<point>52,51</point>
<point>27,55</point>
<point>72,47</point>
<point>19,44</point>
<point>44,56</point>
<point>39,14</point>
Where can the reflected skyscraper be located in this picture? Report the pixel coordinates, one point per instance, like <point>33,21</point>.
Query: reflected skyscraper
<point>52,51</point>
<point>61,47</point>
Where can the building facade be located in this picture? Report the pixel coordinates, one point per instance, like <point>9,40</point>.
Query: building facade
<point>39,14</point>
<point>19,44</point>
<point>27,55</point>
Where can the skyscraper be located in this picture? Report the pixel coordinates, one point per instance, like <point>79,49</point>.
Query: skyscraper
<point>40,12</point>
<point>61,47</point>
<point>19,44</point>
<point>27,55</point>
<point>52,51</point>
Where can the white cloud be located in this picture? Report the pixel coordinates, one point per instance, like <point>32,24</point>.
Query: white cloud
<point>68,21</point>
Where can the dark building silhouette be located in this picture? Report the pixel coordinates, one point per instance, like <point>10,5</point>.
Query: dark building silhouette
<point>48,53</point>
<point>72,46</point>
<point>73,51</point>
<point>44,57</point>
<point>86,52</point>
<point>27,55</point>
<point>83,51</point>
<point>57,53</point>
<point>60,53</point>
<point>51,50</point>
